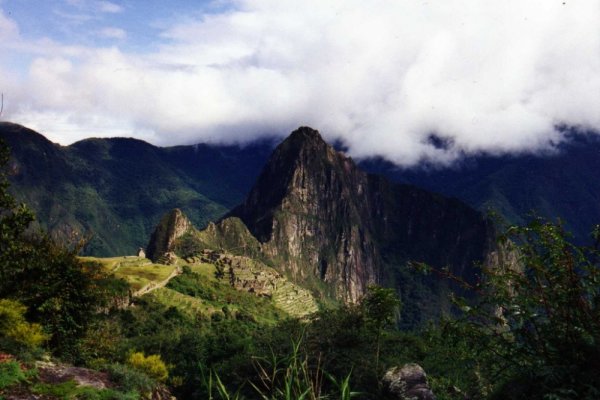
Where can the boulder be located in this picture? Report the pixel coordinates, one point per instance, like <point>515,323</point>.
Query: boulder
<point>407,383</point>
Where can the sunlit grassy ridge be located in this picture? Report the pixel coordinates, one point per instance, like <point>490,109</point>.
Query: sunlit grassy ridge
<point>197,289</point>
<point>137,271</point>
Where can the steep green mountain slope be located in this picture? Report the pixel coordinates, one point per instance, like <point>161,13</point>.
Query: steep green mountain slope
<point>559,185</point>
<point>116,189</point>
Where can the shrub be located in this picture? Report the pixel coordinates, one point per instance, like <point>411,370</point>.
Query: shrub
<point>10,374</point>
<point>129,379</point>
<point>151,365</point>
<point>16,334</point>
<point>535,331</point>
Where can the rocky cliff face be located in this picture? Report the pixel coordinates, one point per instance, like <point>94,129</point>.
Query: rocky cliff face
<point>309,209</point>
<point>171,227</point>
<point>321,218</point>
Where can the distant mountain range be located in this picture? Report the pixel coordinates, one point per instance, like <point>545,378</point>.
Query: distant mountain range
<point>564,184</point>
<point>117,189</point>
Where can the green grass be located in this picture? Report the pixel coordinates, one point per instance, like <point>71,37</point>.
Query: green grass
<point>137,271</point>
<point>187,304</point>
<point>70,390</point>
<point>208,295</point>
<point>10,374</point>
<point>111,264</point>
<point>200,292</point>
<point>205,270</point>
<point>140,276</point>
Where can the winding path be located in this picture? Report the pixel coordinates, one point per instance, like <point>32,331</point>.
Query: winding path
<point>157,285</point>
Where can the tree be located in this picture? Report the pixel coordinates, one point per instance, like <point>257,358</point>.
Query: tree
<point>535,333</point>
<point>14,221</point>
<point>381,307</point>
<point>58,290</point>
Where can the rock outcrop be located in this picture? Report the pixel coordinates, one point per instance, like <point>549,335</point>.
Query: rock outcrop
<point>170,228</point>
<point>406,383</point>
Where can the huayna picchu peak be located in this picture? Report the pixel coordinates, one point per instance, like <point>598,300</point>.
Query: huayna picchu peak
<point>316,217</point>
<point>307,209</point>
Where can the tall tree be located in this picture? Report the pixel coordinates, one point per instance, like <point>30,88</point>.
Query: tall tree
<point>58,290</point>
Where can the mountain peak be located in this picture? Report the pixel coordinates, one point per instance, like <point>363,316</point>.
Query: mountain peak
<point>302,144</point>
<point>306,210</point>
<point>300,159</point>
<point>317,215</point>
<point>305,133</point>
<point>172,226</point>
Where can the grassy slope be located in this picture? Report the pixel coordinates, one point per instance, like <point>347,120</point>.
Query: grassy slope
<point>198,293</point>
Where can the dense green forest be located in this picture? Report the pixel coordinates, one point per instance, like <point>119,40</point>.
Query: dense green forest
<point>531,330</point>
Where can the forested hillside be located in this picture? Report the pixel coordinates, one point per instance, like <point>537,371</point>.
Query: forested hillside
<point>113,191</point>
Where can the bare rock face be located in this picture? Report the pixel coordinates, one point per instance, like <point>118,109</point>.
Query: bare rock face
<point>307,210</point>
<point>315,217</point>
<point>172,226</point>
<point>408,382</point>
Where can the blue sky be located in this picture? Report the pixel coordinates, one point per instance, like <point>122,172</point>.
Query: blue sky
<point>382,75</point>
<point>133,25</point>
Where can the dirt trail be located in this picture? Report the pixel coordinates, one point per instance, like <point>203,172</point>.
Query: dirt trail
<point>157,285</point>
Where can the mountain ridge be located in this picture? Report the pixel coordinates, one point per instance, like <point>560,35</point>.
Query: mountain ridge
<point>58,181</point>
<point>115,190</point>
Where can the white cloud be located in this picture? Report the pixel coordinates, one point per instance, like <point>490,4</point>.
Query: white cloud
<point>109,7</point>
<point>113,33</point>
<point>8,28</point>
<point>382,75</point>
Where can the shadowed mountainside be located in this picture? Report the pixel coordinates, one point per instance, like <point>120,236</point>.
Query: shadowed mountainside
<point>562,184</point>
<point>117,189</point>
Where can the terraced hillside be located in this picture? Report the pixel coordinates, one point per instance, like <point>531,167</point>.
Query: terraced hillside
<point>214,284</point>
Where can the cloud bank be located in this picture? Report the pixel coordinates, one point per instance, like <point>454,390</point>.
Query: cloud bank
<point>383,76</point>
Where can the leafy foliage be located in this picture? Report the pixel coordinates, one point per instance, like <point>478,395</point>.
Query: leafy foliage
<point>293,376</point>
<point>536,330</point>
<point>16,334</point>
<point>151,365</point>
<point>10,374</point>
<point>58,291</point>
<point>129,379</point>
<point>381,306</point>
<point>71,390</point>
